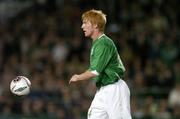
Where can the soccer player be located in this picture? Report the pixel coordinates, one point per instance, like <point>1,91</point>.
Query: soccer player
<point>112,99</point>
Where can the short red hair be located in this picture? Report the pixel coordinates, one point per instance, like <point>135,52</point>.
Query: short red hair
<point>95,17</point>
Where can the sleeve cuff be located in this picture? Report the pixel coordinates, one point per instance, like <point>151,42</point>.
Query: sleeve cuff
<point>95,72</point>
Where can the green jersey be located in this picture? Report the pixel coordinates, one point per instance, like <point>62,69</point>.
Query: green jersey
<point>105,61</point>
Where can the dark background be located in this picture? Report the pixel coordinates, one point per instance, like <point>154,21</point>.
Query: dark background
<point>42,40</point>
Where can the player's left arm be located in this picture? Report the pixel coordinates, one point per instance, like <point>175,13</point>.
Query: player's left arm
<point>83,76</point>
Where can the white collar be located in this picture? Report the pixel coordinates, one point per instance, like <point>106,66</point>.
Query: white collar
<point>101,35</point>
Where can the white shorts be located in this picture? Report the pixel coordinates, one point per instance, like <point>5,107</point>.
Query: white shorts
<point>111,102</point>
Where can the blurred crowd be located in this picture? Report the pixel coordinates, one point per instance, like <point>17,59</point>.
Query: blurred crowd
<point>45,43</point>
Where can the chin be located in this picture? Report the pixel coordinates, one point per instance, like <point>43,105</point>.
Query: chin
<point>87,35</point>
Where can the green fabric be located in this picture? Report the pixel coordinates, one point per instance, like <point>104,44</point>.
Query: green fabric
<point>106,61</point>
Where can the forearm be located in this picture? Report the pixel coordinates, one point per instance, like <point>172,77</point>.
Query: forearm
<point>84,76</point>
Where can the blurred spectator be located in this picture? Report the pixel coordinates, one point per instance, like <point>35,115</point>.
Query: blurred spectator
<point>162,112</point>
<point>174,97</point>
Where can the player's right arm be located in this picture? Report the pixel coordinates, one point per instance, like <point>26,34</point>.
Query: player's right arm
<point>84,76</point>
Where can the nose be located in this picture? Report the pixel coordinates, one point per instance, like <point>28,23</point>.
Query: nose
<point>82,26</point>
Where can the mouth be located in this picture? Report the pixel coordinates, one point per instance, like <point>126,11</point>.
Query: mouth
<point>84,31</point>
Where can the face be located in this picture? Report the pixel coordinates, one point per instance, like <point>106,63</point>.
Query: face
<point>87,28</point>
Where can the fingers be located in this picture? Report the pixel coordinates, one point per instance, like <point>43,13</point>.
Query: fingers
<point>74,78</point>
<point>71,80</point>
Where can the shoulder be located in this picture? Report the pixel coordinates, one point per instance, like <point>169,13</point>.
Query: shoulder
<point>105,40</point>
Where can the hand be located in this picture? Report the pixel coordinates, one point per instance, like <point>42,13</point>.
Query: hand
<point>74,78</point>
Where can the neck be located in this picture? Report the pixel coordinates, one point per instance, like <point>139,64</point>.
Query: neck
<point>96,35</point>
